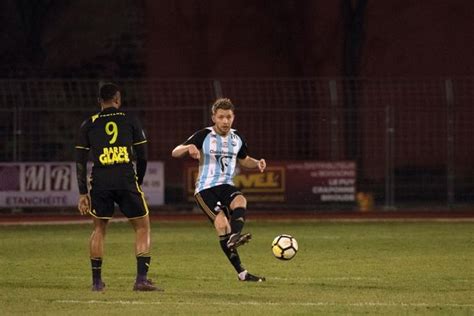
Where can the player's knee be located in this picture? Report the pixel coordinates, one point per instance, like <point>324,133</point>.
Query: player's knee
<point>100,229</point>
<point>98,233</point>
<point>238,201</point>
<point>142,230</point>
<point>141,225</point>
<point>220,227</point>
<point>238,212</point>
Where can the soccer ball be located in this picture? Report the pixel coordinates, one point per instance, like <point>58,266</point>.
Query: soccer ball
<point>284,247</point>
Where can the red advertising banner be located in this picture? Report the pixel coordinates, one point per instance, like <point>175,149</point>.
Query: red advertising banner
<point>321,182</point>
<point>301,182</point>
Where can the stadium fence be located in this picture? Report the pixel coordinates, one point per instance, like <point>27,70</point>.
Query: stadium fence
<point>411,138</point>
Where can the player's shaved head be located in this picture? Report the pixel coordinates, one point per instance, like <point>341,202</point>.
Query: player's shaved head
<point>107,91</point>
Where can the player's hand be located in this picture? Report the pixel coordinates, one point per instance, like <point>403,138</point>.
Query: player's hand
<point>262,165</point>
<point>84,204</point>
<point>194,152</point>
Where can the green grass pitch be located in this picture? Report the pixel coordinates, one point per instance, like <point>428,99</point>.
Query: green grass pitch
<point>386,268</point>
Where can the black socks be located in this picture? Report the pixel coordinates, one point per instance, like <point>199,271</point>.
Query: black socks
<point>233,256</point>
<point>237,220</point>
<point>143,264</point>
<point>96,265</point>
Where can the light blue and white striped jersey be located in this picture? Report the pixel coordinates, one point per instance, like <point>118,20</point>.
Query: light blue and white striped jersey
<point>219,156</point>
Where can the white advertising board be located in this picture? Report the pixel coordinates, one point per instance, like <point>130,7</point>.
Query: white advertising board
<point>49,184</point>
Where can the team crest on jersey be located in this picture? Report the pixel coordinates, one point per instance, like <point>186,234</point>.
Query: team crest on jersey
<point>223,161</point>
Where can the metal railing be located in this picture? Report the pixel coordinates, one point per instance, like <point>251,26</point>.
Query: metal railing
<point>411,138</point>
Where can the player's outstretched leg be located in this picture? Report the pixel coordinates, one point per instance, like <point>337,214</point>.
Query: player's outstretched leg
<point>231,254</point>
<point>234,259</point>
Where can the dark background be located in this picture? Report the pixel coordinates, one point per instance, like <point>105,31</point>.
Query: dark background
<point>381,54</point>
<point>215,38</point>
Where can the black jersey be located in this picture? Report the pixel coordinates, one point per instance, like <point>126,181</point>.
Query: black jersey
<point>109,136</point>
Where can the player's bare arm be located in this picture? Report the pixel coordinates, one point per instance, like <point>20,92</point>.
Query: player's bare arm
<point>251,163</point>
<point>182,150</point>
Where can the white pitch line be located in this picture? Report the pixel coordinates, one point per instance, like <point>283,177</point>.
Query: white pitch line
<point>254,303</point>
<point>342,278</point>
<point>351,278</point>
<point>316,220</point>
<point>107,302</point>
<point>132,278</point>
<point>59,222</point>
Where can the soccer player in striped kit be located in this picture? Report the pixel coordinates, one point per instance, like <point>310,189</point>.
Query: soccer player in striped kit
<point>218,149</point>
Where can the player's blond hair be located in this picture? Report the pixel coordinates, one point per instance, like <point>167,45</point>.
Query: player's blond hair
<point>223,104</point>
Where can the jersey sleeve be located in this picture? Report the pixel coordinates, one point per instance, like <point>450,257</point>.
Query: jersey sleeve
<point>82,141</point>
<point>82,152</point>
<point>197,138</point>
<point>138,132</point>
<point>140,148</point>
<point>243,152</point>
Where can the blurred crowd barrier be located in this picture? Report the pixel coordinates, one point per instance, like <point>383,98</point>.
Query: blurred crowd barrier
<point>410,139</point>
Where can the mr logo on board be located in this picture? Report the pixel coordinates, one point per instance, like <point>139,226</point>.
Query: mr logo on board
<point>47,177</point>
<point>51,184</point>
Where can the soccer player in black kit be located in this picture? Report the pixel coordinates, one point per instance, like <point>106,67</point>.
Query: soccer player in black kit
<point>113,137</point>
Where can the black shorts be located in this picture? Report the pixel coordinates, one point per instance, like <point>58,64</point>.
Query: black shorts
<point>216,199</point>
<point>131,203</point>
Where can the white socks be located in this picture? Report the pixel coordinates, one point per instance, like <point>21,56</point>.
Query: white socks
<point>242,275</point>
